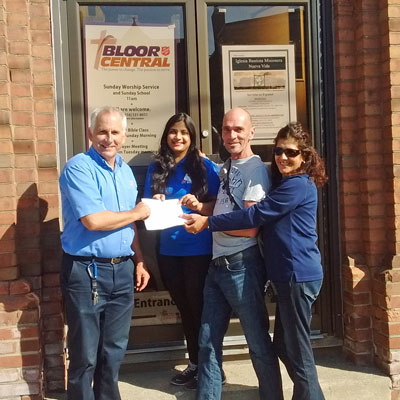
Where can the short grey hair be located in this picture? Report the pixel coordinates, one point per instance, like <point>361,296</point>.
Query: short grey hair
<point>107,109</point>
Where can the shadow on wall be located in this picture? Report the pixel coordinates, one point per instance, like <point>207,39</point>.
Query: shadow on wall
<point>31,320</point>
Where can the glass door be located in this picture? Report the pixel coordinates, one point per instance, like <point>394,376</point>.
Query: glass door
<point>153,59</point>
<point>257,56</point>
<point>141,58</point>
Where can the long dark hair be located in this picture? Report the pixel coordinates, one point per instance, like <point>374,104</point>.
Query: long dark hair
<point>165,161</point>
<point>313,164</point>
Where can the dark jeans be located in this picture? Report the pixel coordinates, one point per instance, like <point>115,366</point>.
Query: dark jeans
<point>184,278</point>
<point>292,336</point>
<point>97,334</point>
<point>236,283</point>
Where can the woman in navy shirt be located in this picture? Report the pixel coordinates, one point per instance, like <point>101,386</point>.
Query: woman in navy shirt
<point>292,259</point>
<point>179,172</point>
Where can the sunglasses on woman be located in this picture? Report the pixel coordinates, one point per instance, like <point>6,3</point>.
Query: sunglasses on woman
<point>291,153</point>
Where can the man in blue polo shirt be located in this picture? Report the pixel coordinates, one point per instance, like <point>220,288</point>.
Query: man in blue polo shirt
<point>101,257</point>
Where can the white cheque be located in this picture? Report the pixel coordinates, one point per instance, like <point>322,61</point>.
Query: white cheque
<point>163,214</point>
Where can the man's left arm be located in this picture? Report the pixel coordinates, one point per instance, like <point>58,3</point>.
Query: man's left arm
<point>249,232</point>
<point>142,276</point>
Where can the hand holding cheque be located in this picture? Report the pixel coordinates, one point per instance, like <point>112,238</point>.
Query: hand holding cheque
<point>167,213</point>
<point>163,213</point>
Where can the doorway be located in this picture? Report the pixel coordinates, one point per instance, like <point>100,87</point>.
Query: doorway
<point>153,59</point>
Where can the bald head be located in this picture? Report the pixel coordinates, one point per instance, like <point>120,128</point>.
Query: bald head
<point>237,131</point>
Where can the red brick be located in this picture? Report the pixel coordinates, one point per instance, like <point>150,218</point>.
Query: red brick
<point>17,89</point>
<point>47,106</point>
<point>19,287</point>
<point>358,347</point>
<point>5,117</point>
<point>51,280</point>
<point>20,302</point>
<point>19,48</point>
<point>42,78</point>
<point>42,51</point>
<point>47,175</point>
<point>7,347</point>
<point>17,5</point>
<point>52,336</point>
<point>17,33</point>
<point>24,132</point>
<point>4,288</point>
<point>19,62</point>
<point>357,298</point>
<point>8,260</point>
<point>48,187</point>
<point>8,318</point>
<point>29,345</point>
<point>40,37</point>
<point>41,65</point>
<point>46,134</point>
<point>51,294</point>
<point>25,161</point>
<point>7,246</point>
<point>5,146</point>
<point>22,104</point>
<point>24,147</point>
<point>3,72</point>
<point>25,230</point>
<point>39,23</point>
<point>31,374</point>
<point>5,132</point>
<point>22,118</point>
<point>51,308</point>
<point>17,18</point>
<point>39,10</point>
<point>19,360</point>
<point>25,175</point>
<point>44,120</point>
<point>29,317</point>
<point>29,332</point>
<point>5,103</point>
<point>43,92</point>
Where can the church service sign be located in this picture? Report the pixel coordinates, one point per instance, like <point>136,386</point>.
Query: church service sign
<point>132,68</point>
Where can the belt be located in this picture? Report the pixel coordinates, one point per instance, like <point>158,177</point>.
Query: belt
<point>112,260</point>
<point>223,261</point>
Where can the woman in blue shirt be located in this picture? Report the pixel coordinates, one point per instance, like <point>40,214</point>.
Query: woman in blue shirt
<point>179,172</point>
<point>292,259</point>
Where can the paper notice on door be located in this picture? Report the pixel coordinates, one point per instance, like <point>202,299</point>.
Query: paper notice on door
<point>163,214</point>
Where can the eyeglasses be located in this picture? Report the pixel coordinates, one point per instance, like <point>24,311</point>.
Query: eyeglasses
<point>291,153</point>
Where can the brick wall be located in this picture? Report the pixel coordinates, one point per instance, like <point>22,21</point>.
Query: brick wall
<point>367,38</point>
<point>31,323</point>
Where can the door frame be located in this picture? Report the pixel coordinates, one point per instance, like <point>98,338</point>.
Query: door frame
<point>321,88</point>
<point>320,85</point>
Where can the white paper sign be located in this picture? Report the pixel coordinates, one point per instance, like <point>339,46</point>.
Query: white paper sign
<point>132,68</point>
<point>262,80</point>
<point>163,214</point>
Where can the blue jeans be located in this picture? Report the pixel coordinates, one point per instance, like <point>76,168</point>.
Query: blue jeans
<point>236,283</point>
<point>292,336</point>
<point>97,334</point>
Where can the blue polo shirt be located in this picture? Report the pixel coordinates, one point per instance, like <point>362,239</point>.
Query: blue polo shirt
<point>176,241</point>
<point>89,185</point>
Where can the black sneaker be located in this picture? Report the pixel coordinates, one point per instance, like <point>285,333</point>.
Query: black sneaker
<point>223,377</point>
<point>192,384</point>
<point>184,377</point>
